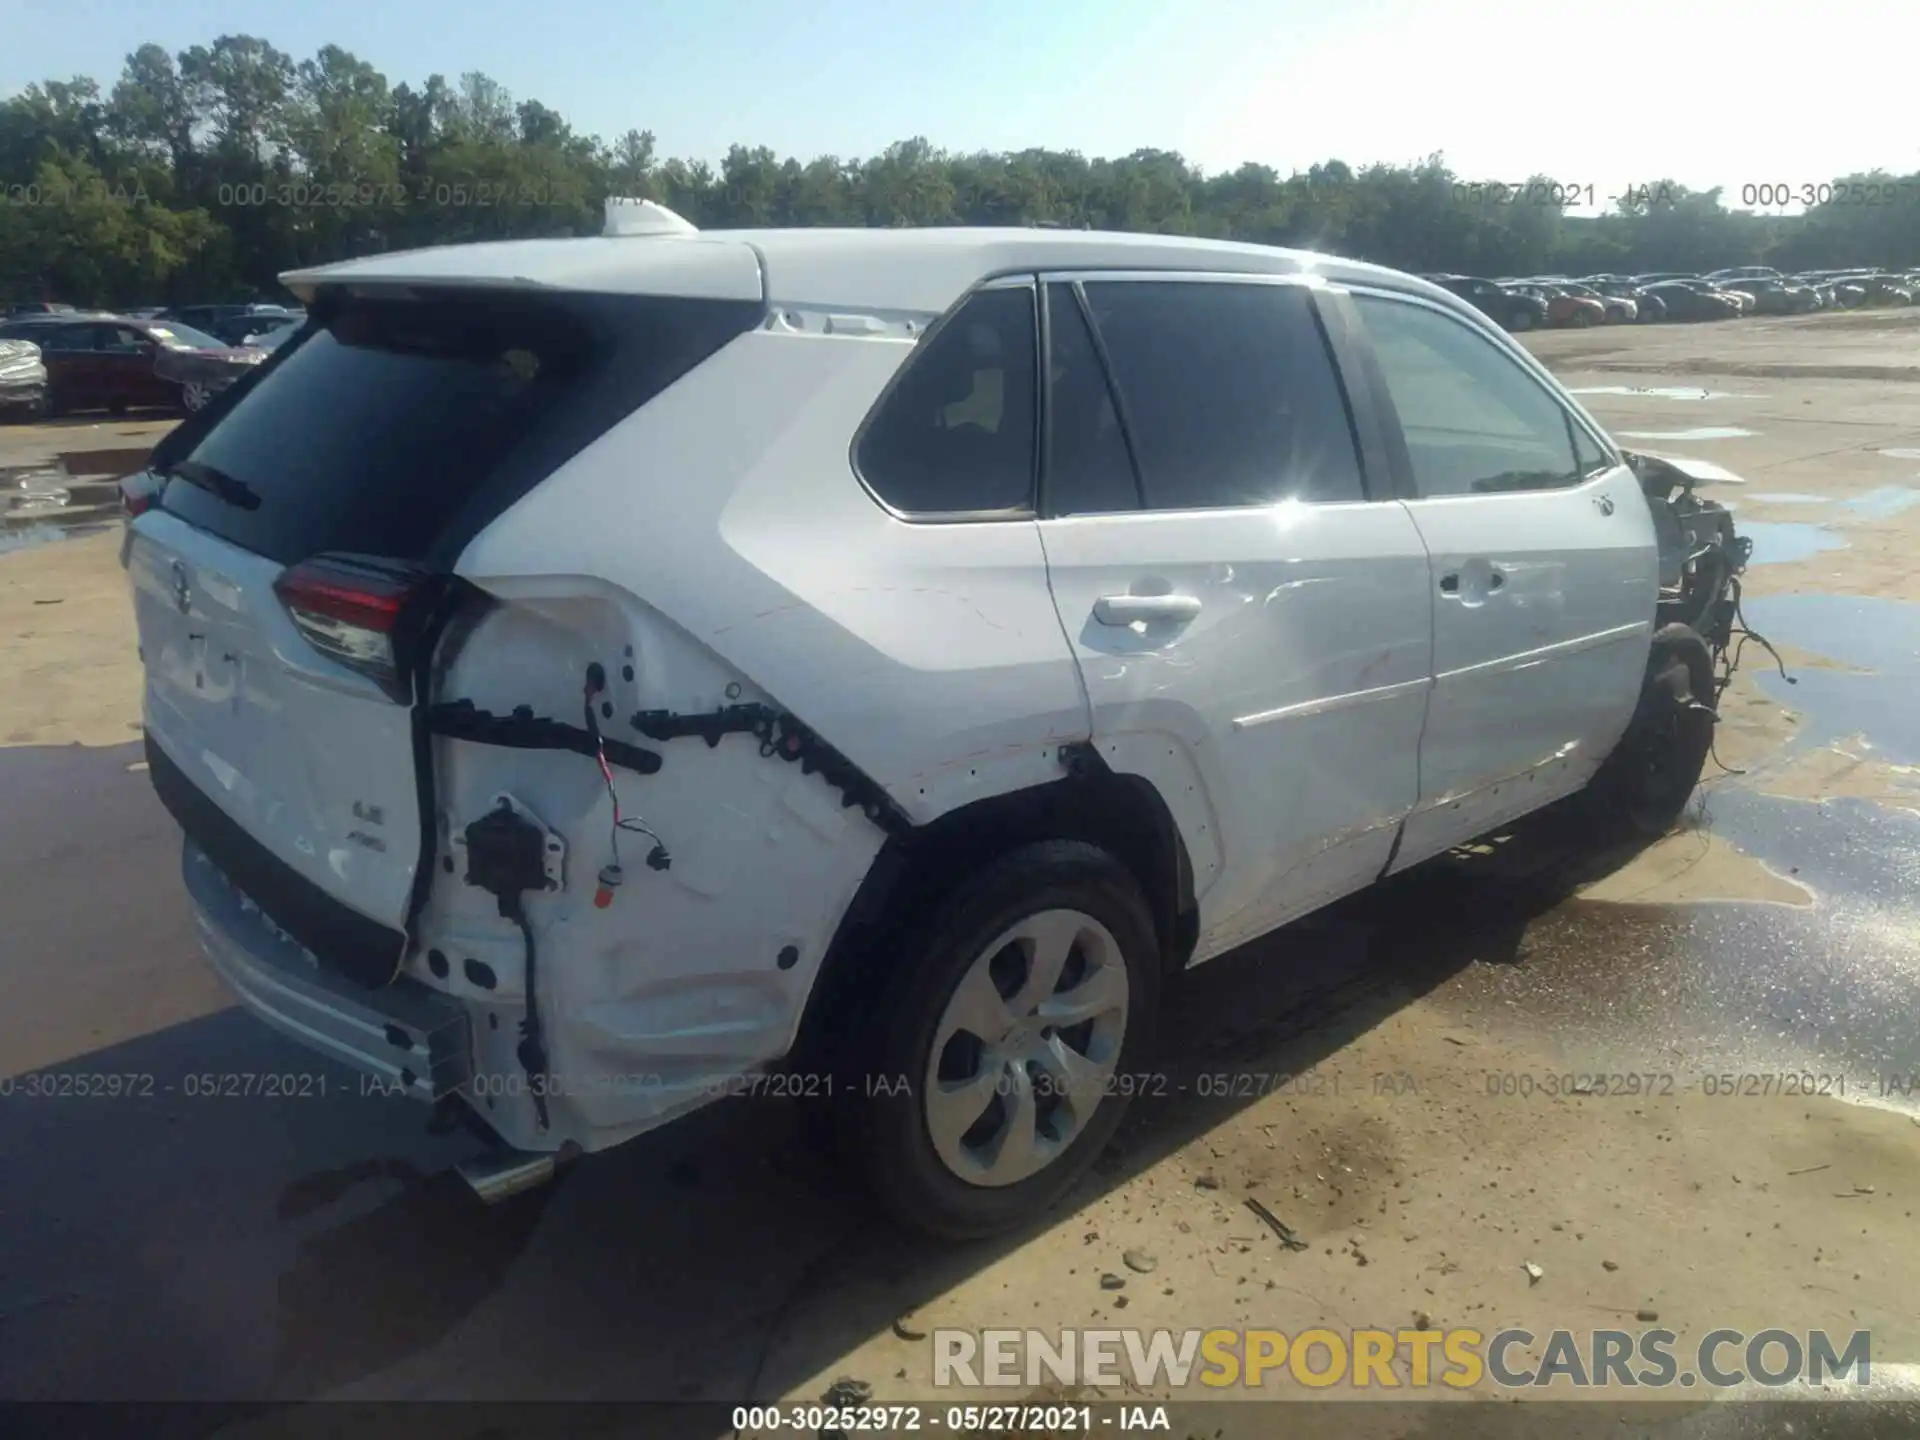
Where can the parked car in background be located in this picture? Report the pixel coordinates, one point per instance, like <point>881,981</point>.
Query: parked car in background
<point>1563,308</point>
<point>221,321</point>
<point>1684,302</point>
<point>1662,277</point>
<point>114,363</point>
<point>38,307</point>
<point>1777,297</point>
<point>1744,272</point>
<point>1513,311</point>
<point>235,328</point>
<point>1886,289</point>
<point>1647,306</point>
<point>274,336</point>
<point>1819,287</point>
<point>23,379</point>
<point>1743,303</point>
<point>1615,309</point>
<point>468,582</point>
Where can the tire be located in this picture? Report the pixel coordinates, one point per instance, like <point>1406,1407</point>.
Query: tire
<point>55,404</point>
<point>903,1096</point>
<point>1643,786</point>
<point>1583,319</point>
<point>194,397</point>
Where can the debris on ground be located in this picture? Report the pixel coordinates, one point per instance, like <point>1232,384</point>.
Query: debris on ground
<point>1289,1237</point>
<point>1140,1261</point>
<point>1205,1182</point>
<point>907,1327</point>
<point>1609,1264</point>
<point>1111,1281</point>
<point>1646,1315</point>
<point>1809,1169</point>
<point>1534,1272</point>
<point>847,1391</point>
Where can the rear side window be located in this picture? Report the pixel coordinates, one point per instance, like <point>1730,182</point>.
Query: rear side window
<point>399,428</point>
<point>1089,471</point>
<point>1475,422</point>
<point>1229,393</point>
<point>955,434</point>
<point>66,337</point>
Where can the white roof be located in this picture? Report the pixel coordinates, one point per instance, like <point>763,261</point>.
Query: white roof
<point>911,270</point>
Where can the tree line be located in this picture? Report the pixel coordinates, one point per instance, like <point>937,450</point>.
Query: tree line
<point>203,175</point>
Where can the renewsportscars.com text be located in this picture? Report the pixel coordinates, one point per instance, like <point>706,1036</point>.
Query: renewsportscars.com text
<point>1397,1359</point>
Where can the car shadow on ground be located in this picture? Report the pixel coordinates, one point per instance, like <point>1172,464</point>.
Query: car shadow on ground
<point>186,1239</point>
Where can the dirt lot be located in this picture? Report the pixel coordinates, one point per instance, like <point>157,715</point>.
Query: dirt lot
<point>1386,1078</point>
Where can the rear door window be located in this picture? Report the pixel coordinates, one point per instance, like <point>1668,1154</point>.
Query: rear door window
<point>399,427</point>
<point>1228,391</point>
<point>955,433</point>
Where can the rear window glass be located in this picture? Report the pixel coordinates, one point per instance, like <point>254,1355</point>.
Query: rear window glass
<point>399,427</point>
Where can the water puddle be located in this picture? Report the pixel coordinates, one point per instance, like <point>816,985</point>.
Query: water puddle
<point>1876,700</point>
<point>1781,542</point>
<point>1710,985</point>
<point>43,503</point>
<point>1663,392</point>
<point>1885,502</point>
<point>1703,432</point>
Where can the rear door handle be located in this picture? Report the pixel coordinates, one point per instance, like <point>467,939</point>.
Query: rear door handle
<point>1125,609</point>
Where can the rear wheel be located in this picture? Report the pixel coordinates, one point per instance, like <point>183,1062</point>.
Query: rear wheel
<point>1643,787</point>
<point>194,397</point>
<point>993,1069</point>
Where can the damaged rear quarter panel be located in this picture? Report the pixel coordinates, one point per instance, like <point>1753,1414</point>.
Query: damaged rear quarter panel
<point>721,532</point>
<point>679,983</point>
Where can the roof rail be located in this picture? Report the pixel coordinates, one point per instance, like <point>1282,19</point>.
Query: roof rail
<point>629,216</point>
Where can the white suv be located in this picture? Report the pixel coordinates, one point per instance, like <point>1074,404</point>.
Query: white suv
<point>599,675</point>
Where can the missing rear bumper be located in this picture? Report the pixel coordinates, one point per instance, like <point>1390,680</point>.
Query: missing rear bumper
<point>405,1036</point>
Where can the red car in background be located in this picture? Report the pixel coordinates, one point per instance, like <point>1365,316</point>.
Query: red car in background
<point>113,363</point>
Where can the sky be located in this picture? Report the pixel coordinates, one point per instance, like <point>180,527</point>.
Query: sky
<point>1608,94</point>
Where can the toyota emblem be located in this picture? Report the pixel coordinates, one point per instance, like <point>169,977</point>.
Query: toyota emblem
<point>182,592</point>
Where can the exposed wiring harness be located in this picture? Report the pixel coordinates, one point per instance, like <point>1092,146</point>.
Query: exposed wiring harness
<point>1727,649</point>
<point>658,858</point>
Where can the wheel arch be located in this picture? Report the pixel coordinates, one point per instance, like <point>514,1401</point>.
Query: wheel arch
<point>1122,814</point>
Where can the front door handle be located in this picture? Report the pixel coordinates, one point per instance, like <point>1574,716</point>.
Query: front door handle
<point>1450,584</point>
<point>1125,609</point>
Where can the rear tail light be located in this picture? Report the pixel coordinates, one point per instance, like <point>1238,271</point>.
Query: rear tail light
<point>357,611</point>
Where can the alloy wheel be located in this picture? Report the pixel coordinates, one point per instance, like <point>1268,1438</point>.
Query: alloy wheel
<point>1026,1047</point>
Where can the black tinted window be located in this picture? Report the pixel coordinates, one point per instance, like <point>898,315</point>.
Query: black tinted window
<point>1587,453</point>
<point>66,337</point>
<point>397,428</point>
<point>1089,471</point>
<point>956,433</point>
<point>1475,422</point>
<point>1230,396</point>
